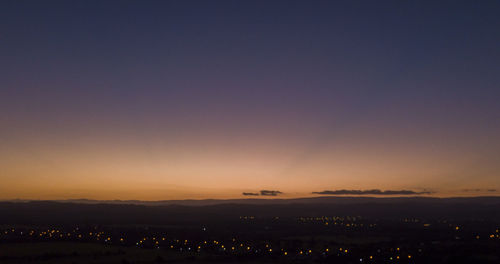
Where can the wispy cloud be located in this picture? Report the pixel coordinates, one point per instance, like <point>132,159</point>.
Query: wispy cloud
<point>250,194</point>
<point>371,192</point>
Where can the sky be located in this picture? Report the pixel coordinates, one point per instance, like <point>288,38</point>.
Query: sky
<point>157,100</point>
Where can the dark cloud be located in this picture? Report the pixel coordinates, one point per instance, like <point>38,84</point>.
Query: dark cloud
<point>263,193</point>
<point>372,192</point>
<point>250,194</point>
<point>270,193</point>
<point>471,190</point>
<point>479,190</point>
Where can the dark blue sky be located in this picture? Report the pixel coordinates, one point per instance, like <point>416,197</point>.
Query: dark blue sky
<point>296,84</point>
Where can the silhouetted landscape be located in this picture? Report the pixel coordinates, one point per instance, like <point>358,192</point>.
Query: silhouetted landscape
<point>308,230</point>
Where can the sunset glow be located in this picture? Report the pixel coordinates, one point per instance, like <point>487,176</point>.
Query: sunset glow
<point>167,101</point>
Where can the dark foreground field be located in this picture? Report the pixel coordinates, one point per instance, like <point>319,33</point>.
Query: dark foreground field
<point>74,252</point>
<point>347,230</point>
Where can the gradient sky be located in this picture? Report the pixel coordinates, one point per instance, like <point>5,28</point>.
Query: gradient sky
<point>208,99</point>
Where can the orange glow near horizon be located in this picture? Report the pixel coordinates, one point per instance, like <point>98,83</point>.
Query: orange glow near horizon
<point>202,168</point>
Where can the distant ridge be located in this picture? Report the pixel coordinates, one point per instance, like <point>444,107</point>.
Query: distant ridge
<point>84,211</point>
<point>281,201</point>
